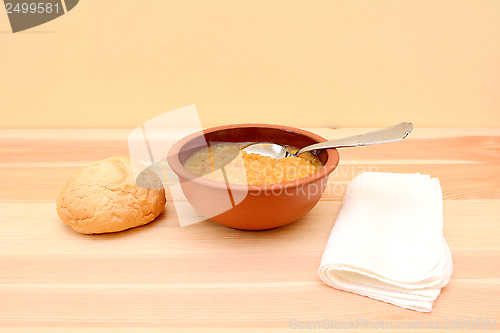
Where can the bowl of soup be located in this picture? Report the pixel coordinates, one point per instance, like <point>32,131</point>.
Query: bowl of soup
<point>251,191</point>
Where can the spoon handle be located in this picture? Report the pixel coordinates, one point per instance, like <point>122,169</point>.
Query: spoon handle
<point>389,134</point>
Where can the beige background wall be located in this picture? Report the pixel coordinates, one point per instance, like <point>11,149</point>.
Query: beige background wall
<point>310,63</point>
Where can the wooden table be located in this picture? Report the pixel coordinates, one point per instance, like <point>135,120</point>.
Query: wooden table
<point>207,277</point>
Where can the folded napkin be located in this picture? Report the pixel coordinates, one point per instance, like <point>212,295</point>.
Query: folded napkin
<point>387,242</point>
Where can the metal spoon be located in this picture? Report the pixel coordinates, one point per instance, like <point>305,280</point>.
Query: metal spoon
<point>390,134</point>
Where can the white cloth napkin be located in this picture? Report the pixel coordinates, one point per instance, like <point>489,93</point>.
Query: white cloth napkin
<point>387,242</point>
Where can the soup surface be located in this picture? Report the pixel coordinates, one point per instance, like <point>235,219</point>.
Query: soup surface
<point>226,162</point>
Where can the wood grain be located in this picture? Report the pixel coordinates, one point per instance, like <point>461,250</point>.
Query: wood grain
<point>206,277</point>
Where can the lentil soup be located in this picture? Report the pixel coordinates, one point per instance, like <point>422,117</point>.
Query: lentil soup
<point>226,162</point>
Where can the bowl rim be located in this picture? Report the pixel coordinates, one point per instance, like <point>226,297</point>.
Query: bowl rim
<point>180,171</point>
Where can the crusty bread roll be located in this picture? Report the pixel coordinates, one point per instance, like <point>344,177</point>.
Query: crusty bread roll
<point>104,197</point>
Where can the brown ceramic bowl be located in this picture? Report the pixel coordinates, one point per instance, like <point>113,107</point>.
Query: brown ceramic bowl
<point>252,207</point>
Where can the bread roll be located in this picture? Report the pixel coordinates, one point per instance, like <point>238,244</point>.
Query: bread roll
<point>104,197</point>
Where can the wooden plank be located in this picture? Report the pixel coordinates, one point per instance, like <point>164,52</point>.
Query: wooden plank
<point>169,267</point>
<point>27,149</point>
<point>230,305</point>
<point>35,228</point>
<point>458,181</point>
